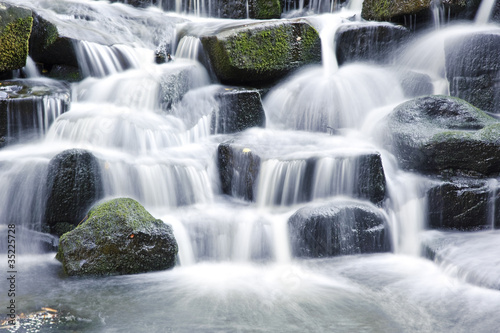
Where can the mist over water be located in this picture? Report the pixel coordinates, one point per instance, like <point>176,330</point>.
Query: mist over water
<point>150,127</point>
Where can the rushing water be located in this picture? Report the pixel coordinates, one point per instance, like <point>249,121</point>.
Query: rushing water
<point>148,125</point>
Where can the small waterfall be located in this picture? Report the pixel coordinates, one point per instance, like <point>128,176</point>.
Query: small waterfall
<point>30,70</point>
<point>189,48</point>
<point>484,12</point>
<point>492,203</point>
<point>333,176</point>
<point>98,60</point>
<point>437,8</point>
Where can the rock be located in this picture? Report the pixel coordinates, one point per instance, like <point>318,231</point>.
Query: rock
<point>28,108</point>
<point>15,29</point>
<point>298,179</point>
<point>338,228</point>
<point>239,109</point>
<point>374,42</point>
<point>473,68</point>
<point>118,237</point>
<point>74,185</point>
<point>49,47</point>
<point>416,84</point>
<point>261,52</point>
<point>417,14</point>
<point>460,204</point>
<point>441,134</point>
<point>257,9</point>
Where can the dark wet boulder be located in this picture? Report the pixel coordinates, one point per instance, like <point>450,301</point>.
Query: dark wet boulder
<point>415,84</point>
<point>239,109</point>
<point>118,237</point>
<point>29,107</point>
<point>261,52</point>
<point>243,168</point>
<point>369,42</point>
<point>442,134</point>
<point>473,69</point>
<point>74,184</point>
<point>50,47</point>
<point>254,9</point>
<point>461,204</point>
<point>338,228</point>
<point>15,29</point>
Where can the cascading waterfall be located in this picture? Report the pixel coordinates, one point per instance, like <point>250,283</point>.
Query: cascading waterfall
<point>150,127</point>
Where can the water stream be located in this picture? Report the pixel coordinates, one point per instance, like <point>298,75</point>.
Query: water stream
<point>148,125</point>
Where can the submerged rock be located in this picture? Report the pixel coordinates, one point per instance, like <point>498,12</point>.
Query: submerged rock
<point>441,134</point>
<point>461,204</point>
<point>28,108</point>
<point>239,109</point>
<point>473,69</point>
<point>73,185</point>
<point>415,84</point>
<point>15,29</point>
<point>369,42</point>
<point>118,237</point>
<point>261,52</point>
<point>338,228</point>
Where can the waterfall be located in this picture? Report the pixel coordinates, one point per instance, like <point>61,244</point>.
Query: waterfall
<point>484,12</point>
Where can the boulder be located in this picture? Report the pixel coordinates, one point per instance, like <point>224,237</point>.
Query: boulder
<point>28,108</point>
<point>239,109</point>
<point>473,69</point>
<point>118,237</point>
<point>49,47</point>
<point>291,181</point>
<point>338,228</point>
<point>261,52</point>
<point>15,29</point>
<point>418,14</point>
<point>74,184</point>
<point>442,134</point>
<point>415,84</point>
<point>460,204</point>
<point>254,9</point>
<point>373,42</point>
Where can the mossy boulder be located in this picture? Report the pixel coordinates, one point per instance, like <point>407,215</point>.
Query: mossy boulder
<point>257,9</point>
<point>15,30</point>
<point>338,228</point>
<point>261,52</point>
<point>442,134</point>
<point>473,68</point>
<point>74,184</point>
<point>118,237</point>
<point>239,109</point>
<point>369,42</point>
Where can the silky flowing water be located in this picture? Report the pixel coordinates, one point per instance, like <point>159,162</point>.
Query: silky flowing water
<point>235,270</point>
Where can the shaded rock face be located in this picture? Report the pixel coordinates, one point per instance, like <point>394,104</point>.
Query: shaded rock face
<point>118,237</point>
<point>261,52</point>
<point>473,69</point>
<point>15,29</point>
<point>74,185</point>
<point>461,204</point>
<point>338,228</point>
<point>23,111</point>
<point>369,42</point>
<point>240,170</point>
<point>257,9</point>
<point>240,108</point>
<point>440,134</point>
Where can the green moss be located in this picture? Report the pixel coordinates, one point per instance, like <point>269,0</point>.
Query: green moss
<point>14,42</point>
<point>267,9</point>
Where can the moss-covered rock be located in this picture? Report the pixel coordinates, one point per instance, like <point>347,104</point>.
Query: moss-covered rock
<point>261,52</point>
<point>74,185</point>
<point>118,237</point>
<point>338,228</point>
<point>255,9</point>
<point>15,30</point>
<point>389,10</point>
<point>441,134</point>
